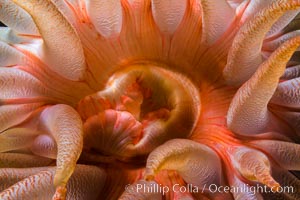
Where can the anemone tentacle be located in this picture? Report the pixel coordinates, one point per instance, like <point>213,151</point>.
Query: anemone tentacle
<point>248,113</point>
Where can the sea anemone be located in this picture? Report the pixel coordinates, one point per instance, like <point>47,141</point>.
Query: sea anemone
<point>149,99</point>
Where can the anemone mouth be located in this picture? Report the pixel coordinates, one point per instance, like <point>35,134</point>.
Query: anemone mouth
<point>157,105</point>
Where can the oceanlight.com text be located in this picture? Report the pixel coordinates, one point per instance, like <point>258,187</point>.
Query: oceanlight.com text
<point>207,188</point>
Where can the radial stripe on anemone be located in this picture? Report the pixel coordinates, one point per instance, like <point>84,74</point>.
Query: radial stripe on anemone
<point>122,99</point>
